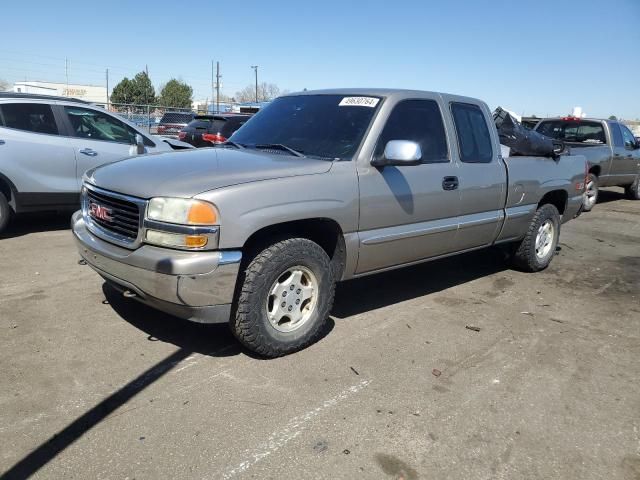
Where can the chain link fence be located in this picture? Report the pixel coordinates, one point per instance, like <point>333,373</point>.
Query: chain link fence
<point>168,121</point>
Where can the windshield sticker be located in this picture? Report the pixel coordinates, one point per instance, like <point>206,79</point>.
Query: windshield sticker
<point>359,102</point>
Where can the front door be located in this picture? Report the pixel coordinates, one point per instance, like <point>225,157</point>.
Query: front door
<point>408,213</point>
<point>627,161</point>
<point>98,138</point>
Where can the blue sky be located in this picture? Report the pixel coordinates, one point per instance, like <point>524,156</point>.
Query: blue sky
<point>534,57</point>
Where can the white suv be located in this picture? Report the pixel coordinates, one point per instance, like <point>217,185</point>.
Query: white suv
<point>47,143</point>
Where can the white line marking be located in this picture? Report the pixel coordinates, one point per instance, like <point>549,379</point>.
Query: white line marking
<point>291,430</point>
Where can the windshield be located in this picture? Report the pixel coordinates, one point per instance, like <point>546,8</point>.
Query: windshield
<point>327,126</point>
<point>574,131</point>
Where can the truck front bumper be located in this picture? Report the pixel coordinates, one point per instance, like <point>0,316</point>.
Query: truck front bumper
<point>196,286</point>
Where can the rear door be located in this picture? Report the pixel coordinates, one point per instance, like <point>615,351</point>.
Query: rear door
<point>406,213</point>
<point>35,157</point>
<point>481,175</point>
<point>98,138</point>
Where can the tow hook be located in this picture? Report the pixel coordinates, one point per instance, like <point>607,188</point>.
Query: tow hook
<point>129,294</point>
<point>82,261</point>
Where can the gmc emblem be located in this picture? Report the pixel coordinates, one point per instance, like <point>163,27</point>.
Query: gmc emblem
<point>100,212</point>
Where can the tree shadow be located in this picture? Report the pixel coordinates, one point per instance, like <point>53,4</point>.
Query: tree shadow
<point>384,289</point>
<point>27,223</point>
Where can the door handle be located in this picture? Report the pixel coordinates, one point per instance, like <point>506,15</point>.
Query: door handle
<point>450,183</point>
<point>88,151</point>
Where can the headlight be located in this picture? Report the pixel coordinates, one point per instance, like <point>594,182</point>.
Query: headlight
<point>182,223</point>
<point>182,211</point>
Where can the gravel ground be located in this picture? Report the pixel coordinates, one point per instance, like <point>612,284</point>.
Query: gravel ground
<point>96,386</point>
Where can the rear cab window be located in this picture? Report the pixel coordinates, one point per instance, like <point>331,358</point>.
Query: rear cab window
<point>574,131</point>
<point>29,117</point>
<point>474,139</point>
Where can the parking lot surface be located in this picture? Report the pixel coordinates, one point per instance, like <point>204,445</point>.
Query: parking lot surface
<point>97,386</point>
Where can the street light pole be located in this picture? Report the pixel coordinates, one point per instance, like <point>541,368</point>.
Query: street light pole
<point>255,68</point>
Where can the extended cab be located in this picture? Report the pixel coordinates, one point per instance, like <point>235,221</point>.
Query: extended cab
<point>318,187</point>
<point>611,150</point>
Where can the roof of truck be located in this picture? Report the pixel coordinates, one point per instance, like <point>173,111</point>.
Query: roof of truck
<point>380,92</point>
<point>35,96</point>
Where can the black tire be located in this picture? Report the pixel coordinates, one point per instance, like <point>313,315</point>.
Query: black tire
<point>251,325</point>
<point>5,212</point>
<point>632,192</point>
<point>591,194</point>
<point>525,256</point>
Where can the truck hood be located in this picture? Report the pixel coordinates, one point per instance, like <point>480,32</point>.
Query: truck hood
<point>188,173</point>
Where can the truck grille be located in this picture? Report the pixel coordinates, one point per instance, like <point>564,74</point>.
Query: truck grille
<point>114,215</point>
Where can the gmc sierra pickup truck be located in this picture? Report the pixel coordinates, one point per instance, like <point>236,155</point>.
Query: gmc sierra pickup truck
<point>611,150</point>
<point>318,187</point>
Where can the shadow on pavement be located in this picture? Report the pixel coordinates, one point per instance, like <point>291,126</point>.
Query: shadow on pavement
<point>606,196</point>
<point>27,223</point>
<point>384,289</point>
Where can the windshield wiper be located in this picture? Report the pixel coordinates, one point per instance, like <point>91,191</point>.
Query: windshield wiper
<point>279,146</point>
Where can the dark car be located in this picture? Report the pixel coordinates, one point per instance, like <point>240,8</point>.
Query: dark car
<point>172,122</point>
<point>211,130</point>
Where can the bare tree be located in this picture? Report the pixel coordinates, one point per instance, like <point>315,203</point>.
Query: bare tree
<point>266,92</point>
<point>4,85</point>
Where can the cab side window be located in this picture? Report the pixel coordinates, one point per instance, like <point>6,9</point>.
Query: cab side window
<point>629,139</point>
<point>94,125</point>
<point>29,117</point>
<point>419,121</point>
<point>474,139</point>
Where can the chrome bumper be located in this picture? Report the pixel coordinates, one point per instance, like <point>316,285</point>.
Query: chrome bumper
<point>197,286</point>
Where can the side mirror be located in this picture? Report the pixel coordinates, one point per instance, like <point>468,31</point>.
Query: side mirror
<point>399,152</point>
<point>139,144</point>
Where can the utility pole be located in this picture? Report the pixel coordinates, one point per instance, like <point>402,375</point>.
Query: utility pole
<point>146,93</point>
<point>255,68</point>
<point>213,86</point>
<point>107,89</point>
<point>218,77</point>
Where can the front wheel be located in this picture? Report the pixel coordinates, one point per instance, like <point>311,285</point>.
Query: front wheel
<point>285,298</point>
<point>591,194</point>
<point>632,192</point>
<point>537,248</point>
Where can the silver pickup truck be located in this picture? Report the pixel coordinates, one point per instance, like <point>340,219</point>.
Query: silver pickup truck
<point>318,187</point>
<point>611,150</point>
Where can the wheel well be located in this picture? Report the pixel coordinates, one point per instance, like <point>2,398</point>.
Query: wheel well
<point>557,198</point>
<point>595,170</point>
<point>324,231</point>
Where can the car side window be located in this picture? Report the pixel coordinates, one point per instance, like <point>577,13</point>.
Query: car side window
<point>616,134</point>
<point>30,117</point>
<point>474,139</point>
<point>627,136</point>
<point>418,121</point>
<point>94,125</point>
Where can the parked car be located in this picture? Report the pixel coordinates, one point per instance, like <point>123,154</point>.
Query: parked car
<point>172,122</point>
<point>211,130</point>
<point>46,144</point>
<point>318,187</point>
<point>613,153</point>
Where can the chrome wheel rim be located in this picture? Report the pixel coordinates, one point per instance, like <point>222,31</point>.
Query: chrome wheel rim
<point>544,239</point>
<point>292,299</point>
<point>591,194</point>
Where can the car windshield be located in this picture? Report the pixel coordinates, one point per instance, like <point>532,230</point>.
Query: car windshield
<point>176,117</point>
<point>325,126</point>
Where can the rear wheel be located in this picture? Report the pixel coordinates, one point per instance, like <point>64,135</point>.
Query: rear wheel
<point>537,248</point>
<point>5,212</point>
<point>632,192</point>
<point>591,194</point>
<point>285,298</point>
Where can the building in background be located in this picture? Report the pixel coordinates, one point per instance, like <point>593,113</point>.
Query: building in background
<point>89,93</point>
